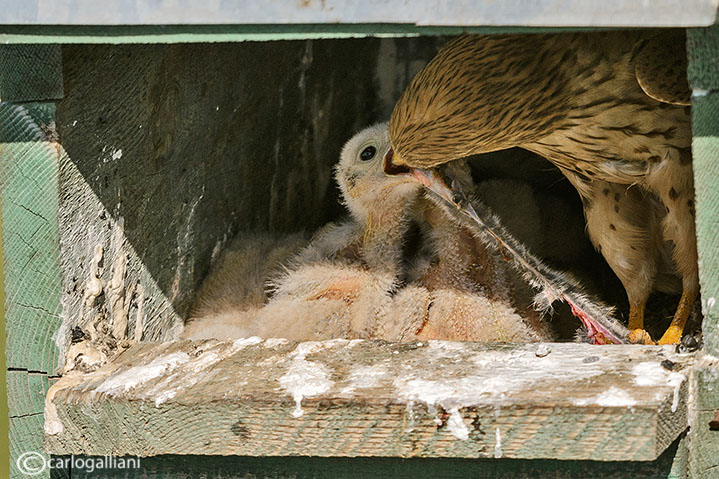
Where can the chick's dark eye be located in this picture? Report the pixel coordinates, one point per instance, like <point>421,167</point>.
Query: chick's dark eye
<point>368,153</point>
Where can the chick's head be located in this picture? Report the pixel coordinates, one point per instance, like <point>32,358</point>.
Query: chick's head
<point>363,183</point>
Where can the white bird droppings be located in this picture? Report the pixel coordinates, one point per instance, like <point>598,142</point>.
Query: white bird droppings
<point>135,376</point>
<point>305,378</point>
<point>710,304</point>
<point>651,373</point>
<point>542,351</point>
<point>497,444</point>
<point>456,426</point>
<point>612,397</point>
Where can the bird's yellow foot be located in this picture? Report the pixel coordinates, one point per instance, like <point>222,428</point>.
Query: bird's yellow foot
<point>639,336</point>
<point>673,334</point>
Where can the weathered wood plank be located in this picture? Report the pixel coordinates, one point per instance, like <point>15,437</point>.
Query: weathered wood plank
<point>30,73</point>
<point>238,467</point>
<point>704,78</point>
<point>31,267</point>
<point>28,184</point>
<point>704,437</point>
<point>423,12</point>
<point>144,34</point>
<point>703,55</point>
<point>355,398</point>
<point>4,413</point>
<point>187,147</point>
<point>26,392</point>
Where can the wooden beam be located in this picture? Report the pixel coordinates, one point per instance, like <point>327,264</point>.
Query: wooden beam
<point>303,467</point>
<point>423,12</point>
<point>30,81</point>
<point>144,34</point>
<point>355,398</point>
<point>30,73</point>
<point>703,50</point>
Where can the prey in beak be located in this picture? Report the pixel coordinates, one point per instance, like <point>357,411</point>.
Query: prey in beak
<point>597,319</point>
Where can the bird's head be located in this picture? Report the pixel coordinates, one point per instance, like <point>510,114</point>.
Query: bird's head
<point>471,99</point>
<point>361,178</point>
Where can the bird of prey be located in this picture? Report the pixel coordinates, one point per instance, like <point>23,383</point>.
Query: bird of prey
<point>609,109</point>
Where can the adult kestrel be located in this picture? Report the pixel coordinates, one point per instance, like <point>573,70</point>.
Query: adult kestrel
<point>609,109</point>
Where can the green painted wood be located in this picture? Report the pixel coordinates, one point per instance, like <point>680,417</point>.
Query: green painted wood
<point>26,397</point>
<point>30,237</point>
<point>704,78</point>
<point>29,188</point>
<point>235,33</point>
<point>28,185</point>
<point>702,48</point>
<point>236,467</point>
<point>704,449</point>
<point>26,393</point>
<point>703,53</point>
<point>560,407</point>
<point>191,143</point>
<point>4,413</point>
<point>30,73</point>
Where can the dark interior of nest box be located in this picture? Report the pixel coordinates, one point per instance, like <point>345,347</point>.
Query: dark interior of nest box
<point>170,150</point>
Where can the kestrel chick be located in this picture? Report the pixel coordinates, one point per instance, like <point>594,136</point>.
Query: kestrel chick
<point>361,279</point>
<point>609,109</point>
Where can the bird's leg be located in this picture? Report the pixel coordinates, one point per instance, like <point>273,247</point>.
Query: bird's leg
<point>620,222</point>
<point>674,332</point>
<point>672,180</point>
<point>636,324</point>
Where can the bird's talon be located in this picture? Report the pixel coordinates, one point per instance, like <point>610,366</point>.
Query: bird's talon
<point>639,336</point>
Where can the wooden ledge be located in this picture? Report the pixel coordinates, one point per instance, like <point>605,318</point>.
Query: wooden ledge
<point>365,398</point>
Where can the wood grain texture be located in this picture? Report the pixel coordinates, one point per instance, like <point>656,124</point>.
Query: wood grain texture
<point>30,73</point>
<point>31,265</point>
<point>167,34</point>
<point>703,51</point>
<point>355,398</point>
<point>28,184</point>
<point>239,467</point>
<point>704,441</point>
<point>192,143</point>
<point>702,48</point>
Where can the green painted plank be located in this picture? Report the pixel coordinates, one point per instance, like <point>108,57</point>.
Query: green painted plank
<point>30,244</point>
<point>702,49</point>
<point>30,73</point>
<point>231,467</point>
<point>704,450</point>
<point>4,420</point>
<point>704,77</point>
<point>29,188</point>
<point>26,393</point>
<point>236,33</point>
<point>26,445</point>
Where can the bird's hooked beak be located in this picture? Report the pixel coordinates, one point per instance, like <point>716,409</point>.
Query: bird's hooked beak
<point>393,165</point>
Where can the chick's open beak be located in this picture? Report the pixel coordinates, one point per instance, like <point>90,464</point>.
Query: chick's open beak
<point>393,165</point>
